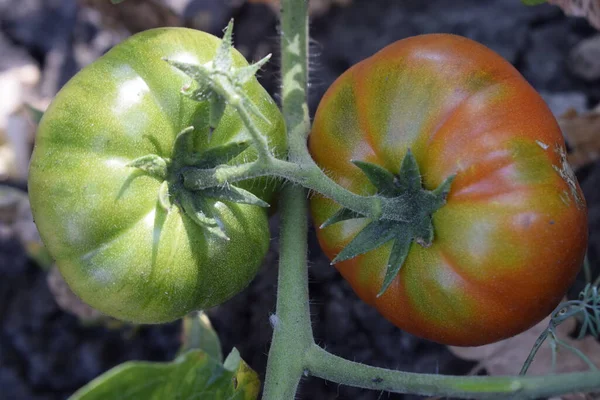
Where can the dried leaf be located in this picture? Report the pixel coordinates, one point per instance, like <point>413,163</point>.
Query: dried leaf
<point>19,75</point>
<point>507,357</point>
<point>67,300</point>
<point>584,59</point>
<point>582,132</point>
<point>589,9</point>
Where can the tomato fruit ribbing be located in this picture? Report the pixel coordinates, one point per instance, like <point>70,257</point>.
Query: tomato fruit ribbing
<point>513,233</point>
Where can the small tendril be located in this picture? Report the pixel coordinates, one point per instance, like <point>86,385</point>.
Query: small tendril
<point>586,309</point>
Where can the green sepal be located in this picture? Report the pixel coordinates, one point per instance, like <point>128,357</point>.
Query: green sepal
<point>234,194</point>
<point>219,155</point>
<point>409,178</point>
<point>245,74</point>
<point>152,164</point>
<point>441,192</point>
<point>204,93</point>
<point>372,236</point>
<point>397,257</point>
<point>200,213</point>
<point>207,82</point>
<point>533,2</point>
<point>163,196</point>
<point>220,81</point>
<point>223,60</point>
<point>184,143</point>
<point>380,177</point>
<point>199,73</point>
<point>343,214</point>
<point>217,109</point>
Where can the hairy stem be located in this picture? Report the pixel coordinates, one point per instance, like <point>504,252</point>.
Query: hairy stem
<point>260,141</point>
<point>292,335</point>
<point>336,369</point>
<point>306,174</point>
<point>292,332</point>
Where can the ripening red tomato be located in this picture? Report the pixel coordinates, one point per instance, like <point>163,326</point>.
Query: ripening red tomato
<point>512,235</point>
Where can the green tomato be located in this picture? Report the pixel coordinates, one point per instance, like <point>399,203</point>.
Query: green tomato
<point>117,245</point>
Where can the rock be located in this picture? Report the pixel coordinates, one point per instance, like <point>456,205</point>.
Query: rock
<point>560,103</point>
<point>19,74</point>
<point>584,60</point>
<point>544,61</point>
<point>40,25</point>
<point>67,300</point>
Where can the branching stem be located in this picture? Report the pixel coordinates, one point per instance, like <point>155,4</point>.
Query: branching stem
<point>306,174</point>
<point>229,94</point>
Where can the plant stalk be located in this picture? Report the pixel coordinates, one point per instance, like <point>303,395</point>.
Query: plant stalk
<point>325,365</point>
<point>308,175</point>
<point>292,330</point>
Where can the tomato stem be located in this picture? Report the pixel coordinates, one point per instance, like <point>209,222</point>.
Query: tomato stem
<point>292,333</point>
<point>325,365</point>
<point>306,174</point>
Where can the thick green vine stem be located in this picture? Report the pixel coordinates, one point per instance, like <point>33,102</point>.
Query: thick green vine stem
<point>292,331</point>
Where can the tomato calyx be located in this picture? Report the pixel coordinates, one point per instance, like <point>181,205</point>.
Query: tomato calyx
<point>197,204</point>
<point>406,199</point>
<point>217,83</point>
<point>220,83</point>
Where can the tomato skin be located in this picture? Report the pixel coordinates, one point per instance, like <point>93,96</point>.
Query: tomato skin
<point>101,220</point>
<point>513,234</point>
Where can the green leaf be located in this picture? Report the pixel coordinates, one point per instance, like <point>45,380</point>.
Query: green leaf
<point>533,2</point>
<point>233,360</point>
<point>343,214</point>
<point>396,260</point>
<point>234,194</point>
<point>219,155</point>
<point>380,177</point>
<point>374,235</point>
<point>116,1</point>
<point>193,375</point>
<point>152,164</point>
<point>198,333</point>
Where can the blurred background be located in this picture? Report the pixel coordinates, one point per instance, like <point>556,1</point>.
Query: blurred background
<point>51,344</point>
